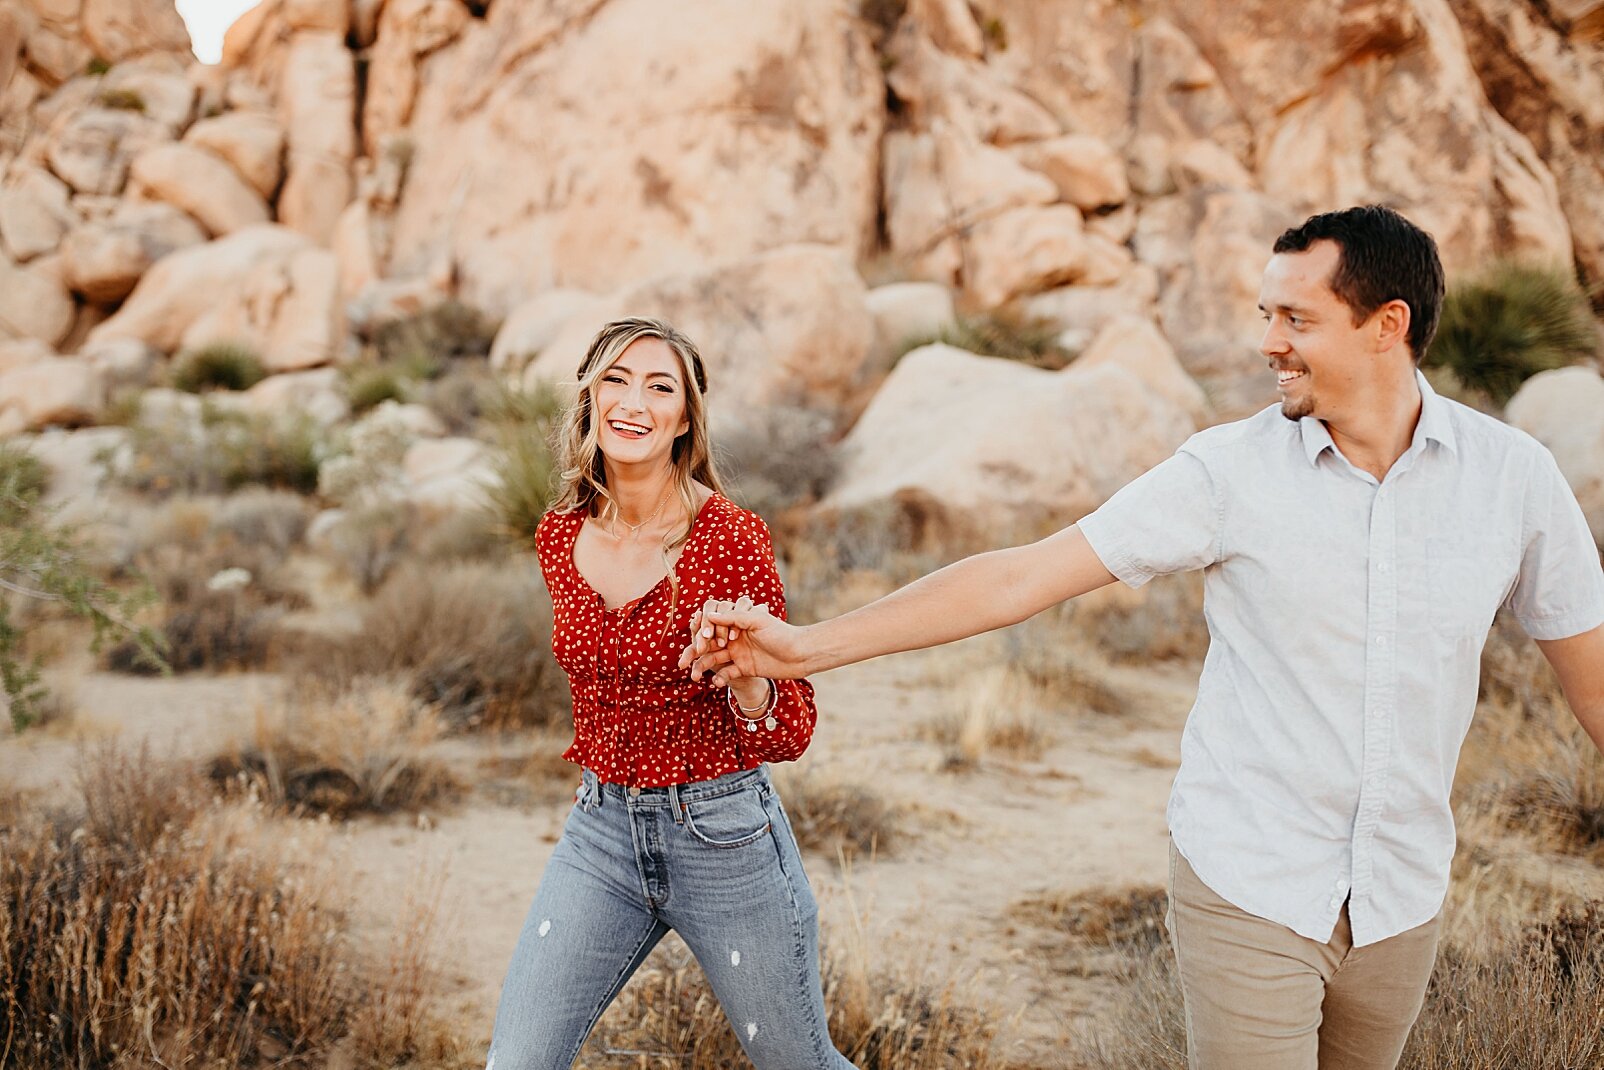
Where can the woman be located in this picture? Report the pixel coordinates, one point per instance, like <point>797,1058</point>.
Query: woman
<point>676,825</point>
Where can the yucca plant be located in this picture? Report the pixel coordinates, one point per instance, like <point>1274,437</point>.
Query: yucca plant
<point>526,468</point>
<point>1506,324</point>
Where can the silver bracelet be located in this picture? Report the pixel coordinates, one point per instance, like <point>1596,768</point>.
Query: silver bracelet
<point>765,710</point>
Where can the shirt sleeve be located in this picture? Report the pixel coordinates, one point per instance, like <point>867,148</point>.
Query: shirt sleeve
<point>1560,589</point>
<point>1169,519</point>
<point>751,571</point>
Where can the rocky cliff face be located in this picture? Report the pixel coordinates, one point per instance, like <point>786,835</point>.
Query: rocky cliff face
<point>1083,160</point>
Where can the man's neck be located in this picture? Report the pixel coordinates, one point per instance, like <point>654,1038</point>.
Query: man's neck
<point>1379,429</point>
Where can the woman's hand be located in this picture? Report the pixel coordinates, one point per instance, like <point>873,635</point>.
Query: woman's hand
<point>737,640</point>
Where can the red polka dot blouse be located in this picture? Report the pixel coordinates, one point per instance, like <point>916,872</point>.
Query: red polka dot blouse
<point>638,717</point>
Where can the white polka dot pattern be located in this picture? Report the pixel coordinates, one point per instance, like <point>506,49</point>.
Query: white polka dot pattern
<point>638,718</point>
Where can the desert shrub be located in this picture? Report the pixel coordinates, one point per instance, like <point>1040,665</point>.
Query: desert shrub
<point>259,517</point>
<point>23,479</point>
<point>360,751</point>
<point>1510,322</point>
<point>121,100</point>
<point>462,397</point>
<point>43,562</point>
<point>221,452</point>
<point>1004,333</point>
<point>430,338</point>
<point>780,462</point>
<point>472,638</point>
<point>370,540</point>
<point>880,1018</point>
<point>525,467</point>
<point>1060,662</point>
<point>1126,917</point>
<point>367,385</point>
<point>1162,622</point>
<point>97,66</point>
<point>836,818</point>
<point>217,366</point>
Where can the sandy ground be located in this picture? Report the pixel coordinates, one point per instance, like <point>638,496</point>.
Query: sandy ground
<point>1086,813</point>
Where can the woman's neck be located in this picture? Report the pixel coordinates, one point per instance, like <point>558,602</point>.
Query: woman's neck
<point>638,493</point>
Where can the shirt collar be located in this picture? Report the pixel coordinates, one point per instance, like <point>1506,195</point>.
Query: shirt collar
<point>1434,424</point>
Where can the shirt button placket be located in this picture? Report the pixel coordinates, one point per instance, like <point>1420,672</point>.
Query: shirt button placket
<point>1380,691</point>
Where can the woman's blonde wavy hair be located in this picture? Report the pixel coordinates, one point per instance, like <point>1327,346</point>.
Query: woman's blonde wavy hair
<point>581,470</point>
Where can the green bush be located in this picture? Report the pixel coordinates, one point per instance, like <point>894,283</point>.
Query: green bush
<point>23,480</point>
<point>367,385</point>
<point>223,451</point>
<point>1003,333</point>
<point>122,100</point>
<point>217,366</point>
<point>526,469</point>
<point>428,339</point>
<point>1510,322</point>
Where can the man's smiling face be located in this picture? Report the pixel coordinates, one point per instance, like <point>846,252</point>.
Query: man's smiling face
<point>1312,344</point>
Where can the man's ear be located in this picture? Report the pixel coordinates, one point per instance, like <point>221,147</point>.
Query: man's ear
<point>1391,322</point>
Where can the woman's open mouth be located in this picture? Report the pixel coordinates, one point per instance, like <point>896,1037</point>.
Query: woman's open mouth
<point>628,430</point>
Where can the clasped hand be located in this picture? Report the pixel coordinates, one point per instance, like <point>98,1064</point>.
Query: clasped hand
<point>731,640</point>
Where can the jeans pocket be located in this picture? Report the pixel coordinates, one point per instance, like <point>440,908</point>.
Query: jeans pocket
<point>728,821</point>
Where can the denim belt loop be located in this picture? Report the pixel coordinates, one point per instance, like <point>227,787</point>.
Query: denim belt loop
<point>675,805</point>
<point>590,793</point>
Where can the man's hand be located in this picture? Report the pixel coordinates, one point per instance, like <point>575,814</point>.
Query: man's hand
<point>734,640</point>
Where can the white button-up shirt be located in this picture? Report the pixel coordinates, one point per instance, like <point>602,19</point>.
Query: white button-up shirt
<point>1346,620</point>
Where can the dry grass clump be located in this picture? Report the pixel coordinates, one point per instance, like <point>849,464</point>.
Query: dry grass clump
<point>151,928</point>
<point>881,1019</point>
<point>997,714</point>
<point>1527,763</point>
<point>363,751</point>
<point>223,451</point>
<point>1127,917</point>
<point>837,818</point>
<point>1054,656</point>
<point>472,639</point>
<point>151,934</point>
<point>217,366</point>
<point>1162,621</point>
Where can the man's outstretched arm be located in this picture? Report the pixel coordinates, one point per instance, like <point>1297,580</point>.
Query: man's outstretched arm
<point>977,594</point>
<point>1579,664</point>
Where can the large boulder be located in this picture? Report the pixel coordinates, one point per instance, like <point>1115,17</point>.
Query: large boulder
<point>1549,84</point>
<point>1087,172</point>
<point>200,183</point>
<point>407,32</point>
<point>975,451</point>
<point>73,459</point>
<point>121,29</point>
<point>1564,410</point>
<point>34,303</point>
<point>1025,251</point>
<point>595,145</point>
<point>316,394</point>
<point>90,149</point>
<point>446,475</point>
<point>536,323</point>
<point>1137,345</point>
<point>185,286</point>
<point>65,390</point>
<point>935,83</point>
<point>34,213</point>
<point>288,309</point>
<point>157,87</point>
<point>251,142</point>
<point>318,106</point>
<point>787,327</point>
<point>907,311</point>
<point>1209,248</point>
<point>103,260</point>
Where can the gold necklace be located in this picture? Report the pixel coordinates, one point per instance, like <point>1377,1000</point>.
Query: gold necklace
<point>634,529</point>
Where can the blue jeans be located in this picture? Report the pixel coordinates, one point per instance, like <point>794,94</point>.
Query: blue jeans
<point>716,862</point>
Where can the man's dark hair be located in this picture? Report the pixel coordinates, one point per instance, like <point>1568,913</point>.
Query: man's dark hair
<point>1382,257</point>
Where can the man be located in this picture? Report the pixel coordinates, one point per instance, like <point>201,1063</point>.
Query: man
<point>1356,541</point>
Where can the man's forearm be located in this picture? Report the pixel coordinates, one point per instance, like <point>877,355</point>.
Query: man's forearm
<point>977,594</point>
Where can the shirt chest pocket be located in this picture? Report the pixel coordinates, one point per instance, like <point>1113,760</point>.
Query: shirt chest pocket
<point>1466,580</point>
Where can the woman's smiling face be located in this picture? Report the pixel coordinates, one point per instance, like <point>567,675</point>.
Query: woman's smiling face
<point>640,405</point>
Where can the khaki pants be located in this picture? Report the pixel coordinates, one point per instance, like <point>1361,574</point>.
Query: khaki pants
<point>1261,997</point>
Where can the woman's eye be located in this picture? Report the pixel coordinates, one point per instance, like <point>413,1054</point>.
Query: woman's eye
<point>612,378</point>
